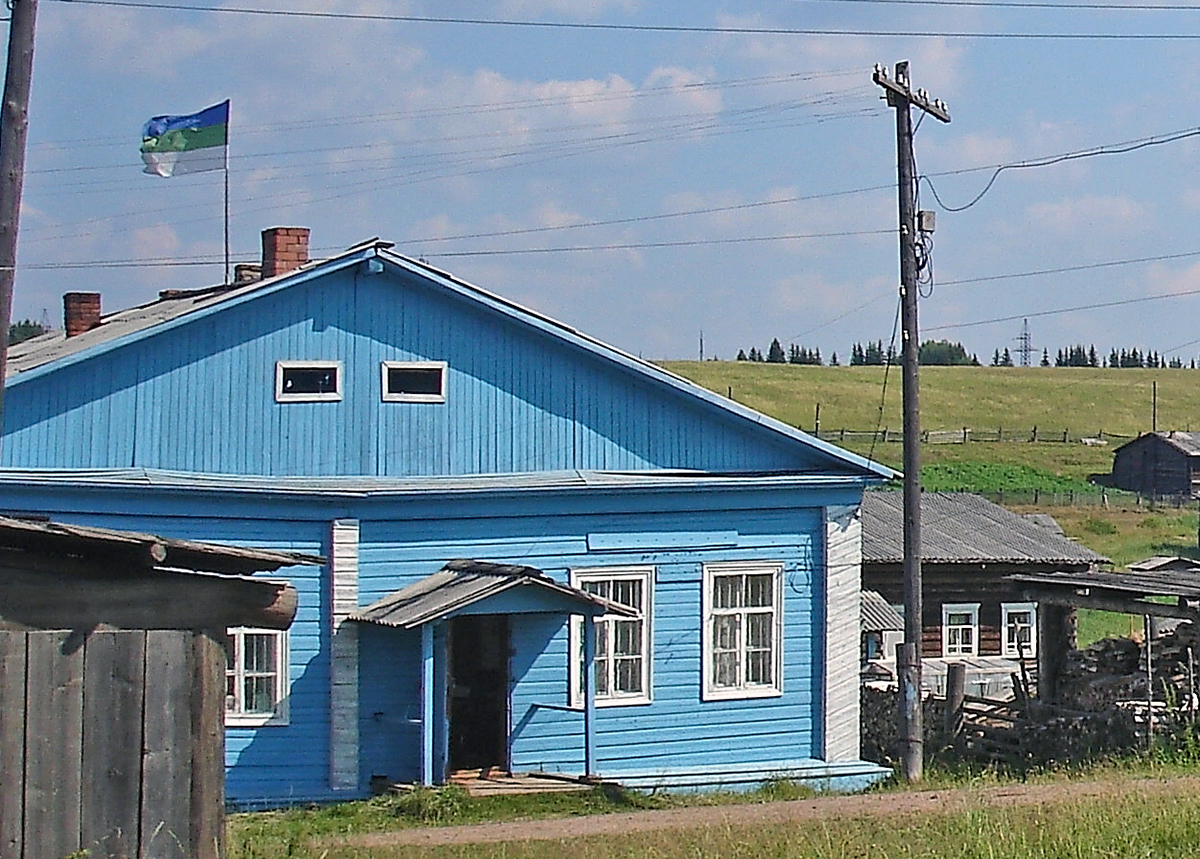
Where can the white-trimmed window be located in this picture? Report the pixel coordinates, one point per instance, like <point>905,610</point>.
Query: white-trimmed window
<point>1018,621</point>
<point>256,678</point>
<point>960,629</point>
<point>308,381</point>
<point>413,381</point>
<point>743,630</point>
<point>622,661</point>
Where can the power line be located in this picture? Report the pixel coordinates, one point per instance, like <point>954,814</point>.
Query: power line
<point>1097,306</point>
<point>636,28</point>
<point>1006,4</point>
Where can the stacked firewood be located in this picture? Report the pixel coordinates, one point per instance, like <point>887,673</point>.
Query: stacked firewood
<point>1112,672</point>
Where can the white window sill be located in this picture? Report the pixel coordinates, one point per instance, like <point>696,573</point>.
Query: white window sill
<point>741,694</point>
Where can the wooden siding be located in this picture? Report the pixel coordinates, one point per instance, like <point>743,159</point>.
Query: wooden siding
<point>843,562</point>
<point>675,732</point>
<point>200,397</point>
<point>402,542</point>
<point>343,673</point>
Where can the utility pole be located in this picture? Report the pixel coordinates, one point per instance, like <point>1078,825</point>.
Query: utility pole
<point>901,96</point>
<point>14,125</point>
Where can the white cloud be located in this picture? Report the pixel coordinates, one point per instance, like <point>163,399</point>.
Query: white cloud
<point>1090,215</point>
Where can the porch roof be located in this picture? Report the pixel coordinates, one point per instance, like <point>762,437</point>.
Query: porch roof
<point>483,587</point>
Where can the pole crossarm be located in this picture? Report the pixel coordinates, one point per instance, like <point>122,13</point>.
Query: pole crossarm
<point>899,90</point>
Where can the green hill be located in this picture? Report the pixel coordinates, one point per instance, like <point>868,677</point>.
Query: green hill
<point>990,401</point>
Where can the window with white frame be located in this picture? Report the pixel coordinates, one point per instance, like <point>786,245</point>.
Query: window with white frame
<point>622,659</point>
<point>413,381</point>
<point>743,630</point>
<point>1019,622</point>
<point>256,678</point>
<point>960,629</point>
<point>308,381</point>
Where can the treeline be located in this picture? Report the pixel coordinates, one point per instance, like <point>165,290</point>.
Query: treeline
<point>23,330</point>
<point>943,353</point>
<point>872,354</point>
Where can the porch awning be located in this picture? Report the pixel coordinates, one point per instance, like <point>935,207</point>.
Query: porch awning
<point>482,587</point>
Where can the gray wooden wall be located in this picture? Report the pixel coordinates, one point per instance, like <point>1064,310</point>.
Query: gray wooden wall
<point>111,742</point>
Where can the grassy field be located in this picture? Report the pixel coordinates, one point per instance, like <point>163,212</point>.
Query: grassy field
<point>1122,823</point>
<point>1083,401</point>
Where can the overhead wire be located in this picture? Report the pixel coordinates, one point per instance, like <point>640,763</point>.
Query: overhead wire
<point>634,28</point>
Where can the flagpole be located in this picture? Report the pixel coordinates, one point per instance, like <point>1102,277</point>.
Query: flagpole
<point>228,279</point>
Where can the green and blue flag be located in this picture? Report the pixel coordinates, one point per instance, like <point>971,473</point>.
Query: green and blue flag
<point>195,143</point>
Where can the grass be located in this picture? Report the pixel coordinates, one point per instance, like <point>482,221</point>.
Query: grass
<point>1123,824</point>
<point>1084,401</point>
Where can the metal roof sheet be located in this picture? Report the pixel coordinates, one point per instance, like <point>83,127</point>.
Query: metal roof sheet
<point>877,615</point>
<point>463,583</point>
<point>959,527</point>
<point>1185,442</point>
<point>369,486</point>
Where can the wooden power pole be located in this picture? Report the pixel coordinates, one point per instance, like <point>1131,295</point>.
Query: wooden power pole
<point>901,96</point>
<point>14,126</point>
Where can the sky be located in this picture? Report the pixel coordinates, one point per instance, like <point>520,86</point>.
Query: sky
<point>658,175</point>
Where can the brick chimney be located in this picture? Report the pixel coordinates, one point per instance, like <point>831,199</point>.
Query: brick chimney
<point>81,312</point>
<point>284,249</point>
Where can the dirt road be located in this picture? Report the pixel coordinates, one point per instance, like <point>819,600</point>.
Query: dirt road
<point>871,805</point>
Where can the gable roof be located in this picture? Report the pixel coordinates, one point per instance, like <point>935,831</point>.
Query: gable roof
<point>464,583</point>
<point>959,527</point>
<point>1187,443</point>
<point>49,352</point>
<point>876,615</point>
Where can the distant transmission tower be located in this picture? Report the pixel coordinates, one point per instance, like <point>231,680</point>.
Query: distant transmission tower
<point>1025,350</point>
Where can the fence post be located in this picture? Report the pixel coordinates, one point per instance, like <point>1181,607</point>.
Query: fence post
<point>1034,433</point>
<point>964,435</point>
<point>1000,434</point>
<point>1065,436</point>
<point>956,684</point>
<point>885,432</point>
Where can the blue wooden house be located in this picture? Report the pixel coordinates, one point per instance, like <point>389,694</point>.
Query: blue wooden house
<point>544,554</point>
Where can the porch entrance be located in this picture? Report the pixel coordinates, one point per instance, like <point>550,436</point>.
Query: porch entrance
<point>478,692</point>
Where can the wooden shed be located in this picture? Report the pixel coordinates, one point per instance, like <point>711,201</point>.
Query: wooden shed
<point>113,676</point>
<point>1159,464</point>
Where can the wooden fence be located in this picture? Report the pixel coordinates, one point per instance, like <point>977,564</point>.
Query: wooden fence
<point>971,434</point>
<point>116,737</point>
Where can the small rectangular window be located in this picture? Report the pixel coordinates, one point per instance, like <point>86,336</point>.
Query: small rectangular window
<point>414,381</point>
<point>308,381</point>
<point>960,629</point>
<point>256,677</point>
<point>1019,621</point>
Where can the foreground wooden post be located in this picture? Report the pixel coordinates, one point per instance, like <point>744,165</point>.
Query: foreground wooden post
<point>956,684</point>
<point>912,740</point>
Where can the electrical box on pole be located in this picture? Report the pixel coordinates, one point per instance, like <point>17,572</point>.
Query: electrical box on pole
<point>901,96</point>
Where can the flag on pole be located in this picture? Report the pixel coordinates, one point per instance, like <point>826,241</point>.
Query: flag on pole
<point>174,145</point>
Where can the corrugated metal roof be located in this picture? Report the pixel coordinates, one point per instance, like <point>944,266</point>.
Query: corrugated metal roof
<point>1161,563</point>
<point>877,615</point>
<point>463,583</point>
<point>35,356</point>
<point>959,527</point>
<point>1185,442</point>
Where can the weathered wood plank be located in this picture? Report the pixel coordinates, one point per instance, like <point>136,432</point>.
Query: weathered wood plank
<point>167,762</point>
<point>164,600</point>
<point>208,750</point>
<point>12,744</point>
<point>53,760</point>
<point>114,689</point>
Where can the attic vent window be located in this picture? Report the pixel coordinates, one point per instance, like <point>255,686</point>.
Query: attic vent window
<point>308,381</point>
<point>414,381</point>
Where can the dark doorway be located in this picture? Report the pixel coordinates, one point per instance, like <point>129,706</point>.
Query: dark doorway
<point>478,691</point>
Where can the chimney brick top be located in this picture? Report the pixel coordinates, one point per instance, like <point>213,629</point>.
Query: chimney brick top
<point>284,249</point>
<point>81,312</point>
